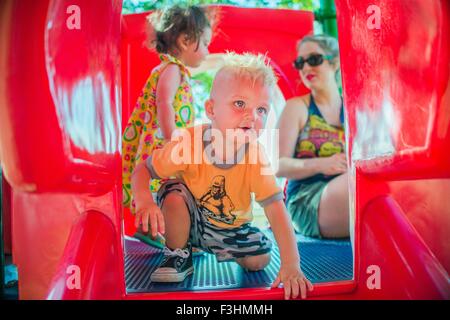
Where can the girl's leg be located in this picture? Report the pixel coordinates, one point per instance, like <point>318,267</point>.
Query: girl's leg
<point>254,263</point>
<point>333,209</point>
<point>177,221</point>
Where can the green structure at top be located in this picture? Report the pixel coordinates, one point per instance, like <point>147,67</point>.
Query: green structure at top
<point>326,15</point>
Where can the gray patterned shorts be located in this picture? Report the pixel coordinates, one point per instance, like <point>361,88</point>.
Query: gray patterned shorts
<point>225,244</point>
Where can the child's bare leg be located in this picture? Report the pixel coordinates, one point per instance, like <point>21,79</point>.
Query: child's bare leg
<point>254,263</point>
<point>177,221</point>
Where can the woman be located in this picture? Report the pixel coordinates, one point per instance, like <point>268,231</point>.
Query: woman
<point>312,144</point>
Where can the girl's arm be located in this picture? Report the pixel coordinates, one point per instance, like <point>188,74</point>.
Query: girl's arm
<point>147,212</point>
<point>168,84</point>
<point>140,180</point>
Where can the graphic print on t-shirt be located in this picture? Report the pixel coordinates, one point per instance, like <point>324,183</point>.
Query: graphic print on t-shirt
<point>215,204</point>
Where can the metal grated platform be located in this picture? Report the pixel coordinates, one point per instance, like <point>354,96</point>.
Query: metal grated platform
<point>321,261</point>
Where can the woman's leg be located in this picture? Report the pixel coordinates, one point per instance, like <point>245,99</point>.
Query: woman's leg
<point>177,221</point>
<point>254,263</point>
<point>333,209</point>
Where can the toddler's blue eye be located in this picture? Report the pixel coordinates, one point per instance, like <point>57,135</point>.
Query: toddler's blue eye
<point>239,103</point>
<point>262,110</point>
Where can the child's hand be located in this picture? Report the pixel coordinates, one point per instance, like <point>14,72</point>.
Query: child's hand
<point>294,281</point>
<point>149,213</point>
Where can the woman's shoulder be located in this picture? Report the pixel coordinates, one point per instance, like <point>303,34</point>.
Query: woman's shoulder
<point>299,101</point>
<point>297,105</point>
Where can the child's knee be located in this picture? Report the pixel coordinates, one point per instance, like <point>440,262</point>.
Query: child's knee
<point>254,263</point>
<point>174,199</point>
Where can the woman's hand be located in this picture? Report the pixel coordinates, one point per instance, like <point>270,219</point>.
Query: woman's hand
<point>294,281</point>
<point>334,165</point>
<point>147,212</point>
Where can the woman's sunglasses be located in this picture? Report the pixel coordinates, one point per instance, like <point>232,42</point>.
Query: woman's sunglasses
<point>313,60</point>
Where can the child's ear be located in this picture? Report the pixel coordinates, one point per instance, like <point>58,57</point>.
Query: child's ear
<point>183,41</point>
<point>209,109</point>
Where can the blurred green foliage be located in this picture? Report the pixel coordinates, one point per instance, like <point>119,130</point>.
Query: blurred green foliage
<point>201,87</point>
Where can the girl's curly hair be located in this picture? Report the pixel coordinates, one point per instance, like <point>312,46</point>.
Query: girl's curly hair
<point>165,26</point>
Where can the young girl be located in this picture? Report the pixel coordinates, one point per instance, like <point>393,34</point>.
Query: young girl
<point>181,35</point>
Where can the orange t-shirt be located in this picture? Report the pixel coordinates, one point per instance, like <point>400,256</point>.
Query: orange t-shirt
<point>223,191</point>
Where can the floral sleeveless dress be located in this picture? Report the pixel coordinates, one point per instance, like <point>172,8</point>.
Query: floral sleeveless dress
<point>142,134</point>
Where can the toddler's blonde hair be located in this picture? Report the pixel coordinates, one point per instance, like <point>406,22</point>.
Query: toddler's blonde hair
<point>248,65</point>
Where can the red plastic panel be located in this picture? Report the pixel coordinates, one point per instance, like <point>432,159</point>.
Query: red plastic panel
<point>60,118</point>
<point>40,232</point>
<point>396,85</point>
<point>396,93</point>
<point>336,290</point>
<point>59,128</point>
<point>407,268</point>
<point>94,255</point>
<point>426,204</point>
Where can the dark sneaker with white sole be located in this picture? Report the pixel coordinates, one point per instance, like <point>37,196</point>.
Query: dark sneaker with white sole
<point>175,266</point>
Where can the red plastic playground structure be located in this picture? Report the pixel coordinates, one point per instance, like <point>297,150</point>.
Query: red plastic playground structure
<point>65,94</point>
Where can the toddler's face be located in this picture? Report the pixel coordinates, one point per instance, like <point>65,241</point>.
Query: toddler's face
<point>238,103</point>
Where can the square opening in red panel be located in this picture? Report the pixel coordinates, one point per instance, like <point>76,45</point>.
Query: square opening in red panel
<point>327,263</point>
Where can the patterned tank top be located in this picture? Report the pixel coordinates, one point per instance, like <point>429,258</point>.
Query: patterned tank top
<point>143,134</point>
<point>318,139</point>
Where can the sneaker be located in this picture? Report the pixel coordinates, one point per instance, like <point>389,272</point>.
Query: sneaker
<point>175,267</point>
